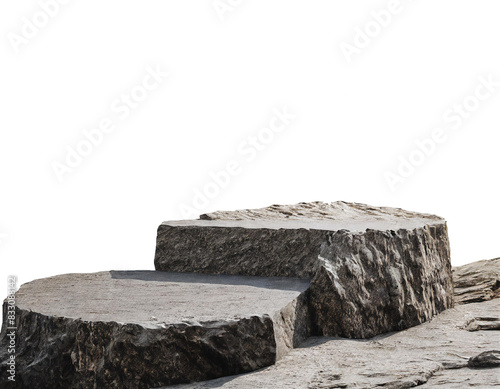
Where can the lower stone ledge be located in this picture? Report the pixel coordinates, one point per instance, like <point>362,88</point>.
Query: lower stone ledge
<point>143,329</point>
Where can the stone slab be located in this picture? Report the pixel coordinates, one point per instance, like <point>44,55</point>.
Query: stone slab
<point>372,269</point>
<point>139,329</point>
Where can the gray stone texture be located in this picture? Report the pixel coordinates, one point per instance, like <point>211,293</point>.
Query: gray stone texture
<point>440,353</point>
<point>372,269</point>
<point>141,329</point>
<point>477,281</point>
<point>239,291</point>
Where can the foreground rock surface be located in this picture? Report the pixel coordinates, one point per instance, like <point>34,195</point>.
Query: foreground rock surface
<point>477,281</point>
<point>139,329</point>
<point>441,353</point>
<point>372,269</point>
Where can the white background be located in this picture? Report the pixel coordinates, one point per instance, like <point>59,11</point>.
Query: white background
<point>354,119</point>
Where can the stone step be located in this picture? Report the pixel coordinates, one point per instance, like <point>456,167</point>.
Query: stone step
<point>372,269</point>
<point>234,292</point>
<point>140,329</point>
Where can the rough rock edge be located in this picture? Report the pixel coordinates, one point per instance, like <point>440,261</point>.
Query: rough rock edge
<point>421,356</point>
<point>292,325</point>
<point>380,282</point>
<point>477,281</point>
<point>485,359</point>
<point>316,210</point>
<point>398,291</point>
<point>72,353</point>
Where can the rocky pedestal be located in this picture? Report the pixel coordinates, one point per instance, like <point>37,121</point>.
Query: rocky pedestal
<point>236,292</point>
<point>142,329</point>
<point>372,269</point>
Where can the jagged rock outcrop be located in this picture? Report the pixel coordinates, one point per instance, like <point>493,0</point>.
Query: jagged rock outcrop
<point>141,329</point>
<point>477,281</point>
<point>372,269</point>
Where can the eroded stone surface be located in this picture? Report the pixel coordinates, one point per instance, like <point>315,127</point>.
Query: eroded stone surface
<point>485,359</point>
<point>437,354</point>
<point>372,269</point>
<point>139,329</point>
<point>477,281</point>
<point>352,214</point>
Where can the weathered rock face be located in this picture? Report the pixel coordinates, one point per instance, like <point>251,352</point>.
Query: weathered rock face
<point>477,281</point>
<point>279,275</point>
<point>143,329</point>
<point>440,353</point>
<point>372,270</point>
<point>380,281</point>
<point>486,359</point>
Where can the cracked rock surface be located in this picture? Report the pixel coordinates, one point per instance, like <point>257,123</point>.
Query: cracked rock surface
<point>139,329</point>
<point>372,269</point>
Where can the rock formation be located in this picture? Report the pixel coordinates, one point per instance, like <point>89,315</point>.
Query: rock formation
<point>140,329</point>
<point>442,353</point>
<point>238,291</point>
<point>436,354</point>
<point>372,269</point>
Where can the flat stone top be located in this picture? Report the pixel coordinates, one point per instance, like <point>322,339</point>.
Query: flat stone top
<point>154,299</point>
<point>316,216</point>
